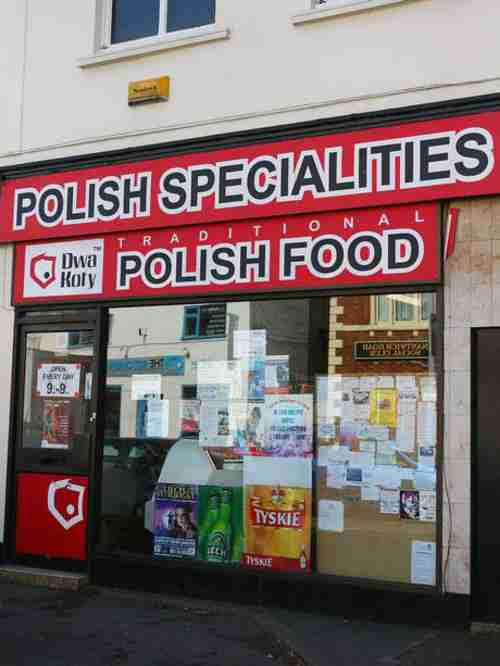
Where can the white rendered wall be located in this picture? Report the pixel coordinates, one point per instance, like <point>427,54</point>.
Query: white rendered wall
<point>269,71</point>
<point>7,329</point>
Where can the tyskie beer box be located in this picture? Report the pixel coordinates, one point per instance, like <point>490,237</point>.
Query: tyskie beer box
<point>278,509</point>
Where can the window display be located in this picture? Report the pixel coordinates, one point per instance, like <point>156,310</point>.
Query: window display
<point>302,439</point>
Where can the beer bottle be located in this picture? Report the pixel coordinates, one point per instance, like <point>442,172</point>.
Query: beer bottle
<point>219,539</point>
<point>237,526</point>
<point>212,513</point>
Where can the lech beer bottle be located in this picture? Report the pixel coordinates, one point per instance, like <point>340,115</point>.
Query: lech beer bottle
<point>210,519</point>
<point>219,539</point>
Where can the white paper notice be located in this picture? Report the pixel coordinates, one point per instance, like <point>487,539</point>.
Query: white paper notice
<point>246,343</point>
<point>58,380</point>
<point>406,382</point>
<point>146,387</point>
<point>157,418</point>
<point>323,456</point>
<point>405,432</point>
<point>370,493</point>
<point>367,383</point>
<point>214,424</point>
<point>389,501</point>
<point>336,475</point>
<point>387,476</point>
<point>428,389</point>
<point>427,506</point>
<point>331,516</point>
<point>385,382</point>
<point>423,563</point>
<point>426,424</point>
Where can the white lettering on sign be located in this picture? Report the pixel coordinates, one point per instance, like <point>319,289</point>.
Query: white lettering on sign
<point>71,269</point>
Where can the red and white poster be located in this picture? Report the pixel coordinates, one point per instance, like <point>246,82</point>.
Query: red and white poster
<point>51,515</point>
<point>56,424</point>
<point>376,246</point>
<point>429,160</point>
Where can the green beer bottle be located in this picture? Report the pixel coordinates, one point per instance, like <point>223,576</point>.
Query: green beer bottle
<point>237,525</point>
<point>212,513</point>
<point>219,539</point>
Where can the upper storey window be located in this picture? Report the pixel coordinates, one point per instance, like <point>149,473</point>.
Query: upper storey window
<point>133,19</point>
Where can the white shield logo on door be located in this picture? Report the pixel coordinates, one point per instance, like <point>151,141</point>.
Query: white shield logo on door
<point>71,514</point>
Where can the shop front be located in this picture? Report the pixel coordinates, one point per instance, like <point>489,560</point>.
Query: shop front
<point>231,362</point>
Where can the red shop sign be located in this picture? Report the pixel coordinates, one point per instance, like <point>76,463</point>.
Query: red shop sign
<point>406,163</point>
<point>377,246</point>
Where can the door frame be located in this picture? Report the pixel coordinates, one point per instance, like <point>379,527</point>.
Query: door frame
<point>55,319</point>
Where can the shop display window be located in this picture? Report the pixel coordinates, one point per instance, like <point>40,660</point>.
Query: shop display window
<point>302,440</point>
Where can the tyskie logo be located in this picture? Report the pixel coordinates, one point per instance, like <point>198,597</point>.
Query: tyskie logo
<point>64,269</point>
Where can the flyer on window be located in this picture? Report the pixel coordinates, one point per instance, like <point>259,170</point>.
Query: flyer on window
<point>383,407</point>
<point>289,425</point>
<point>215,430</point>
<point>190,417</point>
<point>175,520</point>
<point>56,424</point>
<point>247,427</point>
<point>277,515</point>
<point>58,380</point>
<point>277,375</point>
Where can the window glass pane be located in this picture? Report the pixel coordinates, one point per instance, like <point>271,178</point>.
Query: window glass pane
<point>134,20</point>
<point>182,14</point>
<point>215,440</point>
<point>428,301</point>
<point>57,390</point>
<point>405,307</point>
<point>382,308</point>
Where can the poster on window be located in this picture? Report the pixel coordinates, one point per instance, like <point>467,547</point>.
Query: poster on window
<point>278,507</point>
<point>289,426</point>
<point>247,427</point>
<point>249,343</point>
<point>56,424</point>
<point>58,380</point>
<point>383,407</point>
<point>175,520</point>
<point>190,417</point>
<point>277,374</point>
<point>215,430</point>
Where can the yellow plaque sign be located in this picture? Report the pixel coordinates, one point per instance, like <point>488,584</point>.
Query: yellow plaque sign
<point>149,90</point>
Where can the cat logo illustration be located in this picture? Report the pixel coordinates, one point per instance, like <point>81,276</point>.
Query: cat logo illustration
<point>43,270</point>
<point>65,502</point>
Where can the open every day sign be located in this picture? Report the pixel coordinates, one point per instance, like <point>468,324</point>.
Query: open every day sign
<point>58,380</point>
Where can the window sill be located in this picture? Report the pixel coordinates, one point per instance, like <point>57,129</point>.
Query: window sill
<point>183,38</point>
<point>353,7</point>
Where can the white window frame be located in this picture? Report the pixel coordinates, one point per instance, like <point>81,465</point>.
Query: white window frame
<point>331,8</point>
<point>417,323</point>
<point>162,33</point>
<point>104,51</point>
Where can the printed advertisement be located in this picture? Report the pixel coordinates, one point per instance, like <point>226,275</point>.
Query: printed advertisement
<point>289,426</point>
<point>278,515</point>
<point>247,426</point>
<point>220,537</point>
<point>175,520</point>
<point>58,380</point>
<point>190,417</point>
<point>277,375</point>
<point>56,424</point>
<point>214,424</point>
<point>383,407</point>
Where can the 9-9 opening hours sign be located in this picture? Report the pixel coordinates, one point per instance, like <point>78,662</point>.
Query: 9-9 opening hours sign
<point>58,380</point>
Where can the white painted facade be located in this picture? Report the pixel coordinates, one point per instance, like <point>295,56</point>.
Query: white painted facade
<point>262,64</point>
